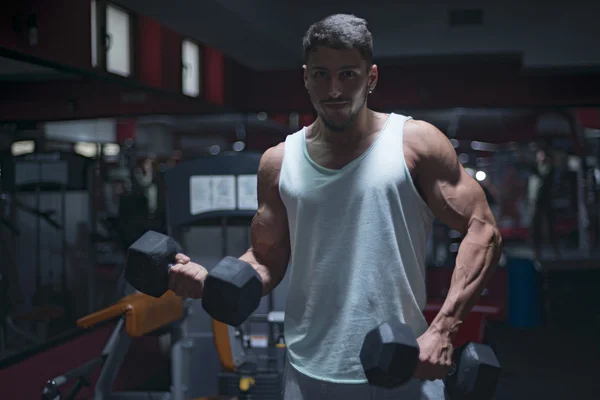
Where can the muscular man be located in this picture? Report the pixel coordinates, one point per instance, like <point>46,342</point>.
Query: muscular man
<point>346,206</point>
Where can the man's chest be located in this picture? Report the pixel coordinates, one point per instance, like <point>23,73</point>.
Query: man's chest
<point>335,159</point>
<point>338,160</point>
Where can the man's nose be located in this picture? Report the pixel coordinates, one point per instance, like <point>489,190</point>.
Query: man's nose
<point>335,89</point>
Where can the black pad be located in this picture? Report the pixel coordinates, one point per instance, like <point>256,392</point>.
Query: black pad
<point>476,375</point>
<point>148,262</point>
<point>232,291</point>
<point>389,354</point>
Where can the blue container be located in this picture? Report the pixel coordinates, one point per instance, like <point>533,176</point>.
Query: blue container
<point>524,294</point>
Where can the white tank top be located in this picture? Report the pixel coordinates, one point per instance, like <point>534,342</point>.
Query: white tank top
<point>358,243</point>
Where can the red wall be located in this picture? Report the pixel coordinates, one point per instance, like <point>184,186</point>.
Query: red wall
<point>53,100</point>
<point>214,77</point>
<point>64,38</point>
<point>26,379</point>
<point>438,85</point>
<point>149,52</point>
<point>63,25</point>
<point>237,83</point>
<point>589,118</point>
<point>65,42</point>
<point>171,59</point>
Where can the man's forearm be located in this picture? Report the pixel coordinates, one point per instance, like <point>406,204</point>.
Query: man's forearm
<point>270,280</point>
<point>476,261</point>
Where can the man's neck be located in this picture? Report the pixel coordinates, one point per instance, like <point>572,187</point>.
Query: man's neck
<point>352,136</point>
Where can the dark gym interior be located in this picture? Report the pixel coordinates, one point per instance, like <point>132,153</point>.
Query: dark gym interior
<point>122,117</point>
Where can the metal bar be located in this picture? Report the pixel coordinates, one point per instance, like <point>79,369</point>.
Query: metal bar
<point>224,237</point>
<point>91,275</point>
<point>115,351</point>
<point>63,277</point>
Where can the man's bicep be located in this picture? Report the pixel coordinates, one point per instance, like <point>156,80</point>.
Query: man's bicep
<point>269,229</point>
<point>452,194</point>
<point>457,204</point>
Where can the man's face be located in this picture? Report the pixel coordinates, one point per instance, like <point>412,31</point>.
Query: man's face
<point>541,156</point>
<point>338,82</point>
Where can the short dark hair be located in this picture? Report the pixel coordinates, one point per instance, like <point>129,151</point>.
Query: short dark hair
<point>340,32</point>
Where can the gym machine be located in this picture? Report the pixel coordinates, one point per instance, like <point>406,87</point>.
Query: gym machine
<point>219,192</point>
<point>208,358</point>
<point>137,315</point>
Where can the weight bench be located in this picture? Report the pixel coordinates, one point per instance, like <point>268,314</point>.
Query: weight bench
<point>138,315</point>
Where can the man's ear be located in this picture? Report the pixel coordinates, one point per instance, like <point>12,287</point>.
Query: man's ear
<point>305,73</point>
<point>373,77</point>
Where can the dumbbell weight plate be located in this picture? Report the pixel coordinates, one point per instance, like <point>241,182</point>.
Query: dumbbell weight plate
<point>389,354</point>
<point>475,374</point>
<point>148,262</point>
<point>232,291</point>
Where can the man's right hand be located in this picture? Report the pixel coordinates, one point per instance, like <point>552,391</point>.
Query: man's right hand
<point>186,279</point>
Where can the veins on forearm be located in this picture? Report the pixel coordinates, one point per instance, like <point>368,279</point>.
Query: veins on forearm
<point>475,263</point>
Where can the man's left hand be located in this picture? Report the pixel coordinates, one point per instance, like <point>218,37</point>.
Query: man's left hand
<point>435,356</point>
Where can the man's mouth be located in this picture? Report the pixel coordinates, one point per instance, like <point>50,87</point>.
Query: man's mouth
<point>336,105</point>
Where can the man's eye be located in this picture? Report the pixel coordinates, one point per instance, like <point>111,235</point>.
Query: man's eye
<point>348,74</point>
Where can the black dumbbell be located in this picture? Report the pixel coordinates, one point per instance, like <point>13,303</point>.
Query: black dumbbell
<point>390,355</point>
<point>232,290</point>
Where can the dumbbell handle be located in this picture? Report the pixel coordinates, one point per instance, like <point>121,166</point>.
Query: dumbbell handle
<point>170,265</point>
<point>453,369</point>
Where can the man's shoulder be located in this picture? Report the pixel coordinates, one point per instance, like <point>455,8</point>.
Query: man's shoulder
<point>272,159</point>
<point>271,162</point>
<point>274,154</point>
<point>423,139</point>
<point>422,129</point>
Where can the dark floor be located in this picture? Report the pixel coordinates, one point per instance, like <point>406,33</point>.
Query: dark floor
<point>562,362</point>
<point>542,364</point>
<point>547,364</point>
